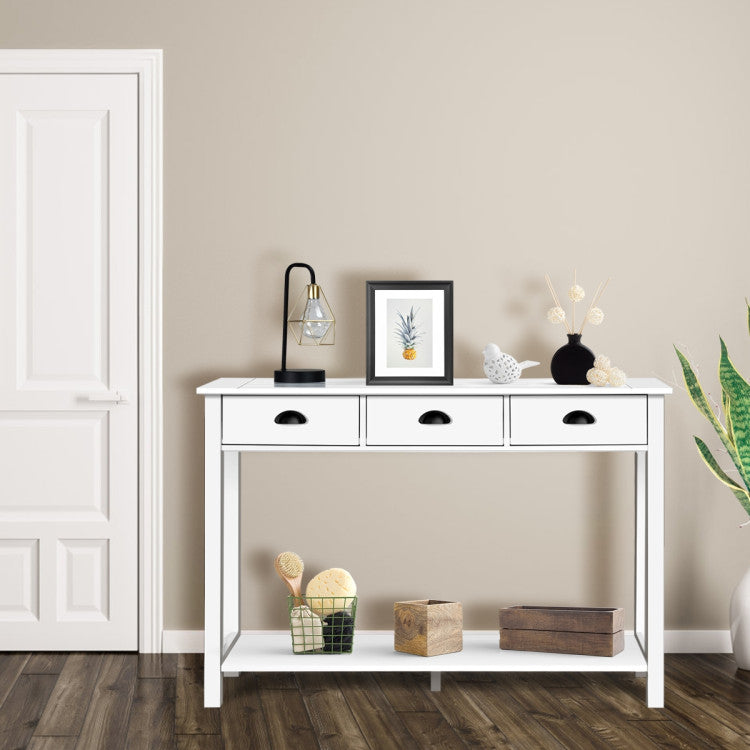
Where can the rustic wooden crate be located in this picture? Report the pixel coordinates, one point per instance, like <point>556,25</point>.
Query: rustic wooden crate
<point>562,642</point>
<point>428,627</point>
<point>594,631</point>
<point>576,619</point>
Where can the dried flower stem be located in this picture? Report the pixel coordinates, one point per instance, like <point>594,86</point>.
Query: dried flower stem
<point>594,297</point>
<point>575,281</point>
<point>555,299</point>
<point>602,291</point>
<point>551,290</point>
<point>599,291</point>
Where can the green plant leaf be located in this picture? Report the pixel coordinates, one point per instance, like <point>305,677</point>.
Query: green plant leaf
<point>738,392</point>
<point>739,492</point>
<point>727,417</point>
<point>701,402</point>
<point>713,464</point>
<point>696,392</point>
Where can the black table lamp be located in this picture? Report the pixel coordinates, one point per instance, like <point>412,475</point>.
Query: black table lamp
<point>311,322</point>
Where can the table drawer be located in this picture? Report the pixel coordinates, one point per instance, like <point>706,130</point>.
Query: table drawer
<point>578,420</point>
<point>472,420</point>
<point>272,420</point>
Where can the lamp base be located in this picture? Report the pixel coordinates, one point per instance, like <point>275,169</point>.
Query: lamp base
<point>299,377</point>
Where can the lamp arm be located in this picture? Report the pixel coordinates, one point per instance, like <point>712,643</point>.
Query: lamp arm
<point>286,304</point>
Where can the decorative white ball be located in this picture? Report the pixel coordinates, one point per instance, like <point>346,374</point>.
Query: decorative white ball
<point>595,316</point>
<point>555,315</point>
<point>595,376</point>
<point>616,377</point>
<point>602,362</point>
<point>576,293</point>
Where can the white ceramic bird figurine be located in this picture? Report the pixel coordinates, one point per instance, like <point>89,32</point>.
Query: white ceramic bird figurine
<point>502,368</point>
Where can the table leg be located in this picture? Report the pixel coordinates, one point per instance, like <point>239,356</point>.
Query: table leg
<point>655,553</point>
<point>231,530</point>
<point>435,681</point>
<point>640,548</point>
<point>213,531</point>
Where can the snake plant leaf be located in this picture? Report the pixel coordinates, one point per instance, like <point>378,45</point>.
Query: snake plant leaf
<point>748,315</point>
<point>713,464</point>
<point>701,402</point>
<point>696,392</point>
<point>739,492</point>
<point>738,391</point>
<point>727,417</point>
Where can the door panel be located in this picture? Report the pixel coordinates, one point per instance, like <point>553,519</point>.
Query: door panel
<point>62,192</point>
<point>19,580</point>
<point>74,482</point>
<point>83,579</point>
<point>68,334</point>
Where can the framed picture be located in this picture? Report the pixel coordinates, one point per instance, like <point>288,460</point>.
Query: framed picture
<point>410,332</point>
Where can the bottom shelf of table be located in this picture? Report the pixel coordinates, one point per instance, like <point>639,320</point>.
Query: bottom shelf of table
<point>373,652</point>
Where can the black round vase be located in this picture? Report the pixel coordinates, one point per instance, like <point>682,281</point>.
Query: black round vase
<point>571,362</point>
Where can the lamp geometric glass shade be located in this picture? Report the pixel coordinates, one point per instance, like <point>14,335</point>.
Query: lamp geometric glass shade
<point>311,320</point>
<point>311,323</point>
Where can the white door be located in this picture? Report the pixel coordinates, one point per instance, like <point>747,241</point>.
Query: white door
<point>68,351</point>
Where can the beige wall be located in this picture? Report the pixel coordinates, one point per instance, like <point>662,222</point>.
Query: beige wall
<point>484,142</point>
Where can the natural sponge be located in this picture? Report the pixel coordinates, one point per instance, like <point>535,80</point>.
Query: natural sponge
<point>331,591</point>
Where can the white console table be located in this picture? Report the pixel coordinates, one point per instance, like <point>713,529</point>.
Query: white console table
<point>249,414</point>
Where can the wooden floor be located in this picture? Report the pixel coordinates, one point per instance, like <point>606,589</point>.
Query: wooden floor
<point>110,701</point>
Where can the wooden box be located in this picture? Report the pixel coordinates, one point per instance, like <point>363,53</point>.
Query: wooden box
<point>428,627</point>
<point>593,631</point>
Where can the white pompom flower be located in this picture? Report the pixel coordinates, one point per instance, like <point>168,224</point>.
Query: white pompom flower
<point>556,315</point>
<point>595,376</point>
<point>595,316</point>
<point>576,293</point>
<point>616,377</point>
<point>602,362</point>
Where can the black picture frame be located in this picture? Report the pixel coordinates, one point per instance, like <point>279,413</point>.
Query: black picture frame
<point>441,369</point>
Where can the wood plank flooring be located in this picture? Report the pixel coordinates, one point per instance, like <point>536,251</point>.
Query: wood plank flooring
<point>111,701</point>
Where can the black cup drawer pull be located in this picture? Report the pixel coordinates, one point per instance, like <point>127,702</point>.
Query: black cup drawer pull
<point>290,417</point>
<point>434,417</point>
<point>579,417</point>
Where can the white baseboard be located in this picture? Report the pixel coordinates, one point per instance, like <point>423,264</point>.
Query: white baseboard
<point>675,642</point>
<point>697,642</point>
<point>182,642</point>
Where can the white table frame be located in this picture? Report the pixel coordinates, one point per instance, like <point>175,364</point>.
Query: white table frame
<point>228,650</point>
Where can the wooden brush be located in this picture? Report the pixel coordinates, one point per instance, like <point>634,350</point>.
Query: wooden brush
<point>290,567</point>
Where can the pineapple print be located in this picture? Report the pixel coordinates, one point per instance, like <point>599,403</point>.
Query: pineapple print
<point>408,333</point>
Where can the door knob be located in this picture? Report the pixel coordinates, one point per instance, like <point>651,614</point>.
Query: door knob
<point>110,397</point>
